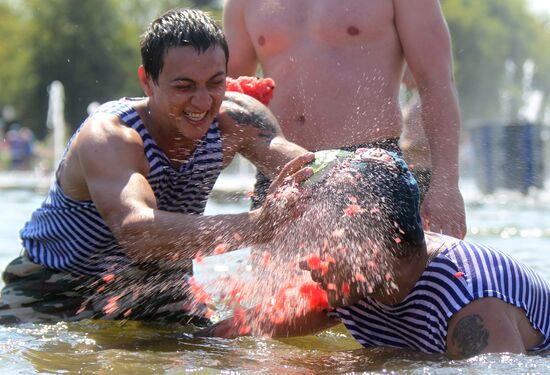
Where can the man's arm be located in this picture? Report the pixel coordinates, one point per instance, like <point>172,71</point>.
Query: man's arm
<point>427,49</point>
<point>489,325</point>
<point>309,324</point>
<point>127,203</point>
<point>254,132</point>
<point>242,57</point>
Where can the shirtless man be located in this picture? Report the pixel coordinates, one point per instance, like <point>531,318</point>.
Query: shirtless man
<point>338,67</point>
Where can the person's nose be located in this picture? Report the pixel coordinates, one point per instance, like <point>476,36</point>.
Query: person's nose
<point>202,99</point>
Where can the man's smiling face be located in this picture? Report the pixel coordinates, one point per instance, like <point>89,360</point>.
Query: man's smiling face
<point>189,90</point>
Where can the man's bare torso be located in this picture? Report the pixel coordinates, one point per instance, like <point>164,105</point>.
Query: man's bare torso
<point>337,66</point>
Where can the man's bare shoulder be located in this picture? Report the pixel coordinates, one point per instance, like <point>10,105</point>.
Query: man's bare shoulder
<point>103,143</point>
<point>105,140</point>
<point>488,325</point>
<point>104,129</point>
<point>243,119</point>
<point>242,110</point>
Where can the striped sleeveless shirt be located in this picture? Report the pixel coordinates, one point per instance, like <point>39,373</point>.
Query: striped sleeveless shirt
<point>420,321</point>
<point>69,235</point>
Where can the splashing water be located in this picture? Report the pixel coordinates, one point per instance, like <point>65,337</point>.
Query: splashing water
<point>334,253</point>
<point>340,236</point>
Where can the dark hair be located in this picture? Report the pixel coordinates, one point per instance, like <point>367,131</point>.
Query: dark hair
<point>375,200</point>
<point>177,28</point>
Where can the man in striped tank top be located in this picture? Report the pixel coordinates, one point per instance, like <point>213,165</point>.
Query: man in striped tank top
<point>397,286</point>
<point>117,233</point>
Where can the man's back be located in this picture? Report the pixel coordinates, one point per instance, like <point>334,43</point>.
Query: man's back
<point>337,67</point>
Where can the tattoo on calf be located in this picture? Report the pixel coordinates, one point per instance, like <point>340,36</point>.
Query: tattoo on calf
<point>260,120</point>
<point>470,335</point>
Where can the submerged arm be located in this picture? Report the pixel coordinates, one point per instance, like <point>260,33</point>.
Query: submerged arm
<point>249,324</point>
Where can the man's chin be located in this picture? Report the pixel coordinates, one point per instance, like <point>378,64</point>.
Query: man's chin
<point>195,132</point>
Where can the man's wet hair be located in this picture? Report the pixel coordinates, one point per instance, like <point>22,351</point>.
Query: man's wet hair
<point>179,28</point>
<point>374,196</point>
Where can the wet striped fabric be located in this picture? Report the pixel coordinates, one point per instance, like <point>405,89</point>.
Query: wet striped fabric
<point>69,235</point>
<point>458,275</point>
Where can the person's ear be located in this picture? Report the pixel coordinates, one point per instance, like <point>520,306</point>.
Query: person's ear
<point>145,81</point>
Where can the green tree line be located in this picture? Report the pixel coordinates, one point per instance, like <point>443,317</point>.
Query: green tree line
<point>92,47</point>
<point>494,42</point>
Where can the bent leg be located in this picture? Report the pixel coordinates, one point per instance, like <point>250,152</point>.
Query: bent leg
<point>33,293</point>
<point>149,291</point>
<point>145,292</point>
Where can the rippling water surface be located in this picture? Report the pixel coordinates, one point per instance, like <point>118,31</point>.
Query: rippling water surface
<point>516,224</point>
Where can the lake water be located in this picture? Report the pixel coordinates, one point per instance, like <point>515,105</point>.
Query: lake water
<point>514,223</point>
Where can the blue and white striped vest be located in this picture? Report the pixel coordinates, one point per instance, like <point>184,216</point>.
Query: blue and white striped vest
<point>69,235</point>
<point>420,321</point>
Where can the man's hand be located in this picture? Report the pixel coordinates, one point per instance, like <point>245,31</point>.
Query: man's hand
<point>226,329</point>
<point>443,212</point>
<point>285,198</point>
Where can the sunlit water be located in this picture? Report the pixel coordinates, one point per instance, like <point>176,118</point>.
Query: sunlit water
<point>519,225</point>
